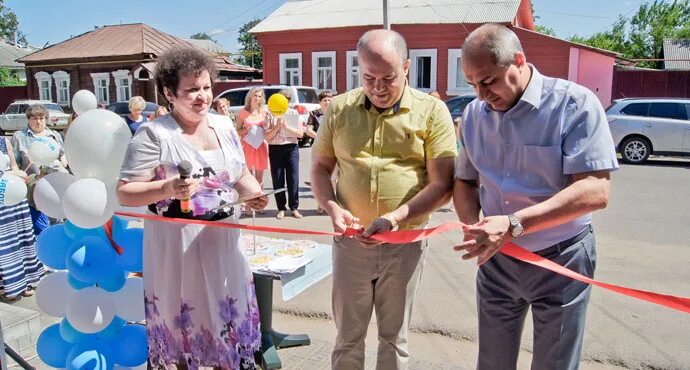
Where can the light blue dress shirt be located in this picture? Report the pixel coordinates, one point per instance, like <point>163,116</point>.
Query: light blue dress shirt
<point>526,155</point>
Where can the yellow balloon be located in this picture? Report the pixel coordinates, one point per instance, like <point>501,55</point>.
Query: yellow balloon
<point>277,104</point>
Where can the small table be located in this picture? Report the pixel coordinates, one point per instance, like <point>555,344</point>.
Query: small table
<point>293,284</point>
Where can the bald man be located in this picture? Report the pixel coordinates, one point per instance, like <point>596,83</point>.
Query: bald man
<point>535,159</point>
<point>395,148</point>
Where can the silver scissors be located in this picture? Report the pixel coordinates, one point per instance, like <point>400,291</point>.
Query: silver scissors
<point>245,198</point>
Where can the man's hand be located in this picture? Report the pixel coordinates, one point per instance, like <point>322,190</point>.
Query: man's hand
<point>342,219</point>
<point>379,225</point>
<point>485,238</point>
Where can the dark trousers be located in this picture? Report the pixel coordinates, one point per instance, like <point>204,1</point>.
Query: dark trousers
<point>506,288</point>
<point>285,167</point>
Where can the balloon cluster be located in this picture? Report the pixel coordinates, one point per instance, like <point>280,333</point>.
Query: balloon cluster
<point>93,251</point>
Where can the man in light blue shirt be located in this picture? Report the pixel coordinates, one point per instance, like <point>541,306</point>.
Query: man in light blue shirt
<point>535,160</point>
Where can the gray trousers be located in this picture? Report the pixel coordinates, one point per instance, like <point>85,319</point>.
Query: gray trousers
<point>506,288</point>
<point>384,278</point>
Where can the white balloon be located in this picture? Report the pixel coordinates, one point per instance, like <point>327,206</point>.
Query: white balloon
<point>53,294</point>
<point>12,189</point>
<point>86,203</point>
<point>83,101</point>
<point>96,143</point>
<point>49,191</point>
<point>90,310</point>
<point>129,300</point>
<point>43,151</point>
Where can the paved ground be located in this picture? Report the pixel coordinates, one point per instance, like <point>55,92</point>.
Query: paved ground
<point>642,242</point>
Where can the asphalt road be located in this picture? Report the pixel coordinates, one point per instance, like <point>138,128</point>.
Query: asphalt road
<point>642,242</point>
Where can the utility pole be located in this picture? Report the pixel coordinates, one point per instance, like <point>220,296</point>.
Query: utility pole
<point>386,10</point>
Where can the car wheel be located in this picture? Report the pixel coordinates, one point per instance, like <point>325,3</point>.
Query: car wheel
<point>635,150</point>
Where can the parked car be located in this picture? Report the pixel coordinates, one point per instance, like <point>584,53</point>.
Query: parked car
<point>645,126</point>
<point>304,99</point>
<point>122,108</point>
<point>456,105</point>
<point>15,119</point>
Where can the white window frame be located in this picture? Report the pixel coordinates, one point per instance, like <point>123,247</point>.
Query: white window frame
<point>119,76</point>
<point>414,54</point>
<point>352,76</point>
<point>281,59</point>
<point>99,77</point>
<point>453,70</point>
<point>315,69</point>
<point>44,77</point>
<point>62,76</point>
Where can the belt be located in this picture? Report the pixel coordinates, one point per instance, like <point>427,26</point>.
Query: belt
<point>560,247</point>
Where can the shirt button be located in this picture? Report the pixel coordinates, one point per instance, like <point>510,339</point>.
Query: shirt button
<point>507,202</point>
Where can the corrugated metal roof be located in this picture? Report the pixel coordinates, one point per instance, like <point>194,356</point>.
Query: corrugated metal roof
<point>315,14</point>
<point>10,53</point>
<point>109,41</point>
<point>677,49</point>
<point>207,45</point>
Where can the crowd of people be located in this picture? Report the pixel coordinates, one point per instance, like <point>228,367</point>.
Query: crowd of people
<point>385,156</point>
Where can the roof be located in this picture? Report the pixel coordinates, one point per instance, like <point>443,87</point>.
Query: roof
<point>10,53</point>
<point>208,45</point>
<point>115,41</point>
<point>317,14</point>
<point>225,64</point>
<point>677,49</point>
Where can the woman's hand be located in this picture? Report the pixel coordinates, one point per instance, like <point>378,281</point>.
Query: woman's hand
<point>63,161</point>
<point>21,174</point>
<point>181,189</point>
<point>258,204</point>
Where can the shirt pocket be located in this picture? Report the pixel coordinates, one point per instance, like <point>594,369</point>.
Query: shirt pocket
<point>540,169</point>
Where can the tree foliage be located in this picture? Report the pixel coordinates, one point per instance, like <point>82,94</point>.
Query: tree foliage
<point>10,78</point>
<point>202,36</point>
<point>641,36</point>
<point>250,50</point>
<point>9,25</point>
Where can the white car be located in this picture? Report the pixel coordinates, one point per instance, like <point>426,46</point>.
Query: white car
<point>304,98</point>
<point>645,126</point>
<point>15,119</point>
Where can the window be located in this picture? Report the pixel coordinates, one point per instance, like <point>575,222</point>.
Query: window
<point>423,69</point>
<point>665,110</point>
<point>307,96</point>
<point>123,83</point>
<point>291,69</point>
<point>236,98</point>
<point>352,70</point>
<point>323,70</point>
<point>62,86</point>
<point>636,109</point>
<point>456,77</point>
<point>101,87</point>
<point>44,85</point>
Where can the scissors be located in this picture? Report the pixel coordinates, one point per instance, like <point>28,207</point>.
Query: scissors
<point>246,198</point>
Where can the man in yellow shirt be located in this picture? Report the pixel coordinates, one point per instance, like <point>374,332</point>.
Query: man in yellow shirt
<point>395,148</point>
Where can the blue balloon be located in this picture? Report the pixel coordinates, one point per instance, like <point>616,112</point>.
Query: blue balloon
<point>93,355</point>
<point>78,284</point>
<point>114,280</point>
<point>52,245</point>
<point>90,259</point>
<point>52,349</point>
<point>132,241</point>
<point>111,331</point>
<point>72,335</point>
<point>75,232</point>
<point>130,348</point>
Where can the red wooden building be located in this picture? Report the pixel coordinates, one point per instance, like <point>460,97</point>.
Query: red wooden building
<point>313,43</point>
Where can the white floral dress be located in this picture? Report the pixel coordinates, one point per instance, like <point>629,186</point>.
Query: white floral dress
<point>199,294</point>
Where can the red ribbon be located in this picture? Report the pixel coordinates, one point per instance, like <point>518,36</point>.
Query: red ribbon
<point>409,236</point>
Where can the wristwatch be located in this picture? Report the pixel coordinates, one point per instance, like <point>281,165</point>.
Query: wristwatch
<point>516,229</point>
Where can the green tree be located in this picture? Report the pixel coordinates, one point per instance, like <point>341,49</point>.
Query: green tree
<point>250,50</point>
<point>202,36</point>
<point>10,78</point>
<point>642,36</point>
<point>545,30</point>
<point>9,25</point>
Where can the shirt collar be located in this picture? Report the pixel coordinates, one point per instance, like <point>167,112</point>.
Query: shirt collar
<point>405,101</point>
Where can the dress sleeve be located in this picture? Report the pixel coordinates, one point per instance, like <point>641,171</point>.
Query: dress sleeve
<point>142,156</point>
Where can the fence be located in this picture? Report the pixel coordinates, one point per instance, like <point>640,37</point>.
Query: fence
<point>9,94</point>
<point>644,83</point>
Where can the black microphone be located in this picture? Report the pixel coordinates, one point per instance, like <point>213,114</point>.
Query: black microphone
<point>185,169</point>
